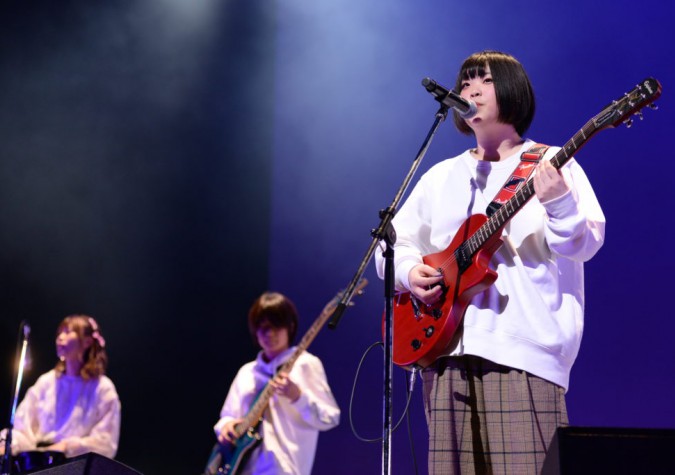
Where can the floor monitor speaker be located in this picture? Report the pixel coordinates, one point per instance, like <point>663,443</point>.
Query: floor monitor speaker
<point>89,464</point>
<point>606,450</point>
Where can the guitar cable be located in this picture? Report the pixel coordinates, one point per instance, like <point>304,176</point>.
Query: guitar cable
<point>406,414</point>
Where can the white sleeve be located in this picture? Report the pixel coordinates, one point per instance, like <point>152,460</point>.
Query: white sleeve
<point>104,435</point>
<point>316,405</point>
<point>26,425</point>
<point>412,225</point>
<point>575,227</point>
<point>233,405</point>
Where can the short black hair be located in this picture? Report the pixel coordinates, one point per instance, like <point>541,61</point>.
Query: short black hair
<point>275,309</point>
<point>515,96</point>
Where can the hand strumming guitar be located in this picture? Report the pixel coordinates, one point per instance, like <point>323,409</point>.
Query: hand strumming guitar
<point>423,279</point>
<point>227,435</point>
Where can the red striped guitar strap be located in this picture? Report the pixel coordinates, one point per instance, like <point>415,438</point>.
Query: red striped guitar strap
<point>528,160</point>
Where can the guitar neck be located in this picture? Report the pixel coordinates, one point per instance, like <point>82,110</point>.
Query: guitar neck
<point>504,214</point>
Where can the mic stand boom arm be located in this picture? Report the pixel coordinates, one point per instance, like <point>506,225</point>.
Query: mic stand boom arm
<point>385,232</point>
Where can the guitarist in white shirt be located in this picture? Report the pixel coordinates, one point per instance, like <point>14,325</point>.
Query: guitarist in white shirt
<point>495,396</point>
<point>301,405</point>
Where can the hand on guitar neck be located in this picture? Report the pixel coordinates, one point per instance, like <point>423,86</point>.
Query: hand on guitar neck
<point>285,387</point>
<point>548,182</point>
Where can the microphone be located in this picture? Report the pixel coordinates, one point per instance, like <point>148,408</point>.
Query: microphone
<point>450,98</point>
<point>28,359</point>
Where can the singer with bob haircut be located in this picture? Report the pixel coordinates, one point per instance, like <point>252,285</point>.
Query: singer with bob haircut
<point>495,395</point>
<point>513,90</point>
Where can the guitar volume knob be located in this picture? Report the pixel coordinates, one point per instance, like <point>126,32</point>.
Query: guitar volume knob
<point>416,344</point>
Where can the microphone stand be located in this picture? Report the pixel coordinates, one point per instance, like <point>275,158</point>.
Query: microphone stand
<point>22,348</point>
<point>385,232</point>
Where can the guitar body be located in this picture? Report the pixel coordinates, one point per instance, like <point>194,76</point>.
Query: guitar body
<point>229,459</point>
<point>422,332</point>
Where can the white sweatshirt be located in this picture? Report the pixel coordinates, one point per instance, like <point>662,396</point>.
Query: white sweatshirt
<point>532,317</point>
<point>290,430</point>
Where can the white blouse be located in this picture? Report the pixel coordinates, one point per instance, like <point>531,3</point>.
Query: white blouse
<point>85,414</point>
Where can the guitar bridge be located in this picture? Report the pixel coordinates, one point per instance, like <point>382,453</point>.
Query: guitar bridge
<point>416,308</point>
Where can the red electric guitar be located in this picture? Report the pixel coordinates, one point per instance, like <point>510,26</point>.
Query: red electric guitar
<point>422,333</point>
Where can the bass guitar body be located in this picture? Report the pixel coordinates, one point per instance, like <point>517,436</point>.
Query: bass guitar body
<point>422,332</point>
<point>229,459</point>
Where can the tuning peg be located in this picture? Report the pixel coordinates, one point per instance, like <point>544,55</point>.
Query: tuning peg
<point>628,122</point>
<point>631,103</point>
<point>639,114</point>
<point>653,106</point>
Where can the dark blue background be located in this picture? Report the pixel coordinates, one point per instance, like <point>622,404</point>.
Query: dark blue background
<point>164,162</point>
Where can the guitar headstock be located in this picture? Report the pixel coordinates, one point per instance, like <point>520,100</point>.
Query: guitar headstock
<point>621,110</point>
<point>333,304</point>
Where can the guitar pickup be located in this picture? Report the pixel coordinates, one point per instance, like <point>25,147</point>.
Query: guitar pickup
<point>463,259</point>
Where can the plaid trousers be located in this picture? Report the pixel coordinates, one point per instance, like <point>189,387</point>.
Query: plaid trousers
<point>485,418</point>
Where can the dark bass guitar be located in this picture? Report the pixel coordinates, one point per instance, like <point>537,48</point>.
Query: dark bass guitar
<point>229,459</point>
<point>423,332</point>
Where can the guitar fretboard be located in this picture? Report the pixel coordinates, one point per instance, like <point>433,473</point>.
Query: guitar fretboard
<point>502,216</point>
